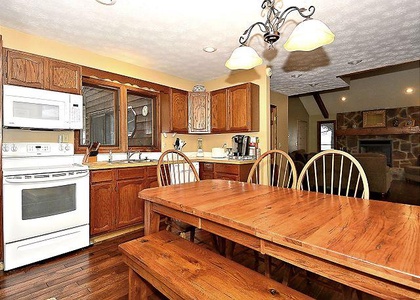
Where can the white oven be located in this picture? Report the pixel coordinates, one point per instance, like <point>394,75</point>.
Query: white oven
<point>45,202</point>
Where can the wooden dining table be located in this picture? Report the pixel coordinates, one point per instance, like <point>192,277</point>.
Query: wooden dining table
<point>372,246</point>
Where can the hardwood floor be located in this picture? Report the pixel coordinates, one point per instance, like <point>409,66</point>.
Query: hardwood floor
<point>98,272</point>
<point>401,191</point>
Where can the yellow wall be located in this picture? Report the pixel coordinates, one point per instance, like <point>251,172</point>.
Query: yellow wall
<point>297,112</point>
<point>49,48</point>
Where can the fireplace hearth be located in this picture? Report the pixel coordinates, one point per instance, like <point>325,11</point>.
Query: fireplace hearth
<point>377,146</point>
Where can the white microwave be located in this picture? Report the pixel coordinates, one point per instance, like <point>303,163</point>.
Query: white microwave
<point>34,108</point>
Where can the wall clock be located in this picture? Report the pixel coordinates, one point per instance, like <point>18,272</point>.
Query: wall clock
<point>144,111</point>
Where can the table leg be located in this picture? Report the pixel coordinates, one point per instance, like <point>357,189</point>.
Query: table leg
<point>138,288</point>
<point>151,219</point>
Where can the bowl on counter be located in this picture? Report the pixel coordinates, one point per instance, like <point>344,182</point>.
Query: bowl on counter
<point>218,153</point>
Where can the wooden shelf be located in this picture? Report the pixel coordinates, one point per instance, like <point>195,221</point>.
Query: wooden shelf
<point>378,131</point>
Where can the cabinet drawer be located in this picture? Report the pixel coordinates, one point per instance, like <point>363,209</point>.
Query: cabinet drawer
<point>131,173</point>
<point>227,168</point>
<point>225,176</point>
<point>208,167</point>
<point>151,171</point>
<point>101,176</point>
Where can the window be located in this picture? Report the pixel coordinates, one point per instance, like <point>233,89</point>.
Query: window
<point>119,117</point>
<point>141,119</point>
<point>326,135</point>
<point>100,117</point>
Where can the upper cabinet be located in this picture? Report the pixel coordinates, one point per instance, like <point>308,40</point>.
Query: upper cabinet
<point>219,111</point>
<point>174,111</point>
<point>198,112</point>
<point>235,109</point>
<point>36,71</point>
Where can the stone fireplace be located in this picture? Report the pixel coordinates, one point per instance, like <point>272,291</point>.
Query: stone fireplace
<point>402,141</point>
<point>378,146</point>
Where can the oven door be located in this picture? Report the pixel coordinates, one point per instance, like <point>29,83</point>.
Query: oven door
<point>35,207</point>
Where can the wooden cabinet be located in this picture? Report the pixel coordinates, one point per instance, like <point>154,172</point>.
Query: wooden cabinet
<point>174,111</point>
<point>199,112</point>
<point>219,111</point>
<point>64,77</point>
<point>179,112</point>
<point>237,172</point>
<point>235,109</point>
<point>102,192</point>
<point>36,71</point>
<point>114,202</point>
<point>206,170</point>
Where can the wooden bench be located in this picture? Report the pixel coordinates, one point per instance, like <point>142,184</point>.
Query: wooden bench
<point>180,269</point>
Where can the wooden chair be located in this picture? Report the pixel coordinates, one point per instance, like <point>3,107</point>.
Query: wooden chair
<point>274,168</point>
<point>334,172</point>
<point>174,167</point>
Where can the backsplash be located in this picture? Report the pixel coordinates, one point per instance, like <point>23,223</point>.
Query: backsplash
<point>405,147</point>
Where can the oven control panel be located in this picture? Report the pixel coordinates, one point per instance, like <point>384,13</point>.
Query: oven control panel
<point>36,149</point>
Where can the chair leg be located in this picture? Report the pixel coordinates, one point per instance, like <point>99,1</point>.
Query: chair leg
<point>192,235</point>
<point>267,265</point>
<point>230,248</point>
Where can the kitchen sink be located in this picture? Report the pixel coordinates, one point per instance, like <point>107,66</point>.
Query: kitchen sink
<point>133,161</point>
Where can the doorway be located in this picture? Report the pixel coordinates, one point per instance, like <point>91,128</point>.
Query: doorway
<point>273,127</point>
<point>326,135</point>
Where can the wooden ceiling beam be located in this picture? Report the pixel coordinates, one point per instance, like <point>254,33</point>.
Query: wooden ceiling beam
<point>321,105</point>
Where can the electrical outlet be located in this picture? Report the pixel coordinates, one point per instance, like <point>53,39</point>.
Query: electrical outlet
<point>65,138</point>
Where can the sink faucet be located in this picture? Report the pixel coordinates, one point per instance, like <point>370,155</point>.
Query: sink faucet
<point>131,153</point>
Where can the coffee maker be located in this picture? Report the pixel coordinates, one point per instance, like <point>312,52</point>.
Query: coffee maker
<point>240,145</point>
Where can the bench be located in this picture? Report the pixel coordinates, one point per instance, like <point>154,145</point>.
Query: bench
<point>180,269</point>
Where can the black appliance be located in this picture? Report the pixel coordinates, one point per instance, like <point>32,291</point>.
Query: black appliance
<point>240,145</point>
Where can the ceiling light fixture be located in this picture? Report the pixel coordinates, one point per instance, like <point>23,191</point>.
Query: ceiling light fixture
<point>409,90</point>
<point>209,49</point>
<point>343,98</point>
<point>308,35</point>
<point>107,2</point>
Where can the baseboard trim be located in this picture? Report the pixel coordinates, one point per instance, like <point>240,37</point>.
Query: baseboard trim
<point>107,236</point>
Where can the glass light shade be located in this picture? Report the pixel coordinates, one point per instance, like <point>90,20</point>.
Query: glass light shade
<point>243,57</point>
<point>309,35</point>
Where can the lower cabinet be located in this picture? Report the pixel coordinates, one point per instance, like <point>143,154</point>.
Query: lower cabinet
<point>114,202</point>
<point>237,172</point>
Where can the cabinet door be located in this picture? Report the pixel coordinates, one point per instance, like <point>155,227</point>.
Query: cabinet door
<point>199,112</point>
<point>243,108</point>
<point>239,108</point>
<point>179,111</point>
<point>25,69</point>
<point>64,77</point>
<point>129,207</point>
<point>206,170</point>
<point>219,111</point>
<point>101,207</point>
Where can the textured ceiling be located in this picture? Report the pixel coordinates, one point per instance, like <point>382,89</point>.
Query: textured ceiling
<point>169,35</point>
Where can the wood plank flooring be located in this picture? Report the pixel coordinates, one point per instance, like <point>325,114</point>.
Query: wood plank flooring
<point>98,272</point>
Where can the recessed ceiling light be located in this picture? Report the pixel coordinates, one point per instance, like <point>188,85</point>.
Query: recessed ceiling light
<point>107,2</point>
<point>209,49</point>
<point>409,90</point>
<point>355,62</point>
<point>343,98</point>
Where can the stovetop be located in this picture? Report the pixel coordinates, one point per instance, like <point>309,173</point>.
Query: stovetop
<point>34,158</point>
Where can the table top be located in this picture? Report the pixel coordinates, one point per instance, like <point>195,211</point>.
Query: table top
<point>376,237</point>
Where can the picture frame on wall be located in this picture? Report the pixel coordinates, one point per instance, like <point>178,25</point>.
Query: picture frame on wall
<point>374,118</point>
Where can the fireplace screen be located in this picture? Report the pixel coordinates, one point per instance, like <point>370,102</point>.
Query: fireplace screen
<point>377,146</point>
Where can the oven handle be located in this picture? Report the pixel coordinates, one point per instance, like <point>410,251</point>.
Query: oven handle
<point>45,177</point>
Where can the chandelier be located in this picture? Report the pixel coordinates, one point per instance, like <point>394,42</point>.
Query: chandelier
<point>308,35</point>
